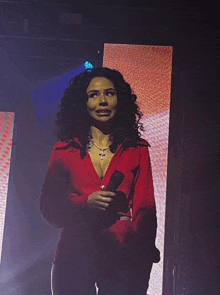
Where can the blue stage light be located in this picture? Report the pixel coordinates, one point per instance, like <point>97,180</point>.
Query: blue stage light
<point>88,65</point>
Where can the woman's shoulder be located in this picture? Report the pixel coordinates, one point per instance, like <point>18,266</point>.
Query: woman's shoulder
<point>63,151</point>
<point>64,145</point>
<point>143,142</point>
<point>136,143</point>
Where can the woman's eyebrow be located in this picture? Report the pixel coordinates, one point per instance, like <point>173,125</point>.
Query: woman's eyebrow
<point>94,90</point>
<point>110,89</point>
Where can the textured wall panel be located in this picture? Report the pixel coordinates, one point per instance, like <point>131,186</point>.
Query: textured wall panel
<point>6,131</point>
<point>148,70</point>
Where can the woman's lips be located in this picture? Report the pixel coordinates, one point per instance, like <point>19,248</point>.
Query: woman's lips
<point>103,112</point>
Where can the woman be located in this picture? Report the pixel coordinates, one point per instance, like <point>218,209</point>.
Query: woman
<point>99,190</point>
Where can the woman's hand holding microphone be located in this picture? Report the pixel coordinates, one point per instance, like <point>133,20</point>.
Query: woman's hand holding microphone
<point>101,200</point>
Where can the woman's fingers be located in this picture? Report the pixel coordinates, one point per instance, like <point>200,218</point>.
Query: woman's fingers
<point>103,202</point>
<point>101,199</point>
<point>101,205</point>
<point>105,199</point>
<point>106,193</point>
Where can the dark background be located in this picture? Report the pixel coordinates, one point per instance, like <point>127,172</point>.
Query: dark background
<point>37,44</point>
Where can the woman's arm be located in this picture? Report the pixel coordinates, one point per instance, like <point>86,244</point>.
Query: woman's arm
<point>134,239</point>
<point>143,224</point>
<point>58,205</point>
<point>54,205</point>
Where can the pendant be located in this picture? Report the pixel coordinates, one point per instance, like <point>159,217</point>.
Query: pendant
<point>102,154</point>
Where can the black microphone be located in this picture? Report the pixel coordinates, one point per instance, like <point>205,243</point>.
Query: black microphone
<point>115,180</point>
<point>120,202</point>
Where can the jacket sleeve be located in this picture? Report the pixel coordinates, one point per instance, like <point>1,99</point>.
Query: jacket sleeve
<point>58,206</point>
<point>142,228</point>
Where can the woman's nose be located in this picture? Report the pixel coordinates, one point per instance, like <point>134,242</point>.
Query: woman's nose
<point>102,98</point>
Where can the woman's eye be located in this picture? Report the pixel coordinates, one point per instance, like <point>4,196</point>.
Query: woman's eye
<point>111,93</point>
<point>92,95</point>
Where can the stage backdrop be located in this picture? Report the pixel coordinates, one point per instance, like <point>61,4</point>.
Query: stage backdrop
<point>148,70</point>
<point>6,131</point>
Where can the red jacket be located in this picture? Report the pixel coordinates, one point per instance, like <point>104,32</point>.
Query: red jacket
<point>70,179</point>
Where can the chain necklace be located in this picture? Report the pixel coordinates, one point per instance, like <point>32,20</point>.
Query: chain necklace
<point>102,151</point>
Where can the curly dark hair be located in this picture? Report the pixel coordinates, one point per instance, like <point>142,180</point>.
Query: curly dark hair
<point>73,119</point>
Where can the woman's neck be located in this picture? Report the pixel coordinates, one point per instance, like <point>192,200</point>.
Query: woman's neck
<point>99,137</point>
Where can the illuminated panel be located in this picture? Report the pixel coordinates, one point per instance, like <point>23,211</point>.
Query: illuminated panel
<point>6,131</point>
<point>148,70</point>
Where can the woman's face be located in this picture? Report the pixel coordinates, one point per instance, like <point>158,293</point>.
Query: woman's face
<point>102,99</point>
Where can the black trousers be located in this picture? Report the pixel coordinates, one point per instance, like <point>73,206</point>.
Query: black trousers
<point>78,277</point>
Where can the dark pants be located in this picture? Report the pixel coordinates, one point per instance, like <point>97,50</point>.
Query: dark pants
<point>78,277</point>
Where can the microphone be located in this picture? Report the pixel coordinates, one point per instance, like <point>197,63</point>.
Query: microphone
<point>120,202</point>
<point>115,180</point>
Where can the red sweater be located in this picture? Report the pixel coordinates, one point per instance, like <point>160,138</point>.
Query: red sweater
<point>70,179</point>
